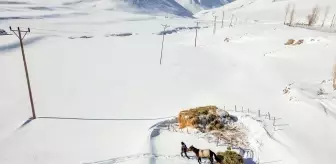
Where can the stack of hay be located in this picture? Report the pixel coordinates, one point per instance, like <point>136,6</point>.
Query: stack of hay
<point>206,118</point>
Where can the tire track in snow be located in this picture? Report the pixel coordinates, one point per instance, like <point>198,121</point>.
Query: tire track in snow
<point>138,156</point>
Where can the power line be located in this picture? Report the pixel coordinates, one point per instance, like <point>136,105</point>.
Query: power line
<point>63,31</point>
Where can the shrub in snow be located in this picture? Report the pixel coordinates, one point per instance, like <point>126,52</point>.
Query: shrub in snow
<point>286,90</point>
<point>230,157</point>
<point>320,91</point>
<point>3,32</point>
<point>227,40</point>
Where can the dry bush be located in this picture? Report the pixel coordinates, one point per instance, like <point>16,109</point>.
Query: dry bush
<point>227,40</point>
<point>314,16</point>
<point>286,90</point>
<point>321,91</point>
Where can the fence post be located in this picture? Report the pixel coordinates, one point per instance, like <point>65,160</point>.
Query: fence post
<point>269,116</point>
<point>259,112</point>
<point>235,108</point>
<point>169,125</point>
<point>242,109</point>
<point>248,110</point>
<point>273,121</point>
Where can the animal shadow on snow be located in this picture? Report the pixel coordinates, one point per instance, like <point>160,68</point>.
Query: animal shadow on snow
<point>249,161</point>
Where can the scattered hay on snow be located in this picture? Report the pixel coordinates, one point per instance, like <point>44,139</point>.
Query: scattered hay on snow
<point>293,42</point>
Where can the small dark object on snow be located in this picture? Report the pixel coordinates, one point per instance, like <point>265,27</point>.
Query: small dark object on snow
<point>86,37</point>
<point>3,32</point>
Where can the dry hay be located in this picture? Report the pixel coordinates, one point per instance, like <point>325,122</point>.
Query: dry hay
<point>299,42</point>
<point>290,42</point>
<point>234,136</point>
<point>191,117</point>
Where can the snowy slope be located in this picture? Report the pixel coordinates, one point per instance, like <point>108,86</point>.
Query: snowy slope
<point>105,93</point>
<point>198,5</point>
<point>271,11</point>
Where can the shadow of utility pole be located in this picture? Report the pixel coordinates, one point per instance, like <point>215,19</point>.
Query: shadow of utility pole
<point>104,119</point>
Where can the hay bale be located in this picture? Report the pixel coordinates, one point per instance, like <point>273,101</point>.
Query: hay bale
<point>191,117</point>
<point>299,42</point>
<point>290,42</point>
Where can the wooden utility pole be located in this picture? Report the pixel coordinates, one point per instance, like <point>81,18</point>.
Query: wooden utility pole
<point>214,30</point>
<point>18,34</point>
<point>223,20</point>
<point>164,33</point>
<point>196,33</point>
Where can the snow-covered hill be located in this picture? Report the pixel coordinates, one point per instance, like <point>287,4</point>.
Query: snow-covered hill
<point>271,10</point>
<point>198,5</point>
<point>101,95</point>
<point>183,8</point>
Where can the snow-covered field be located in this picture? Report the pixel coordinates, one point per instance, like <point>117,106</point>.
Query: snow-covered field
<point>118,92</point>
